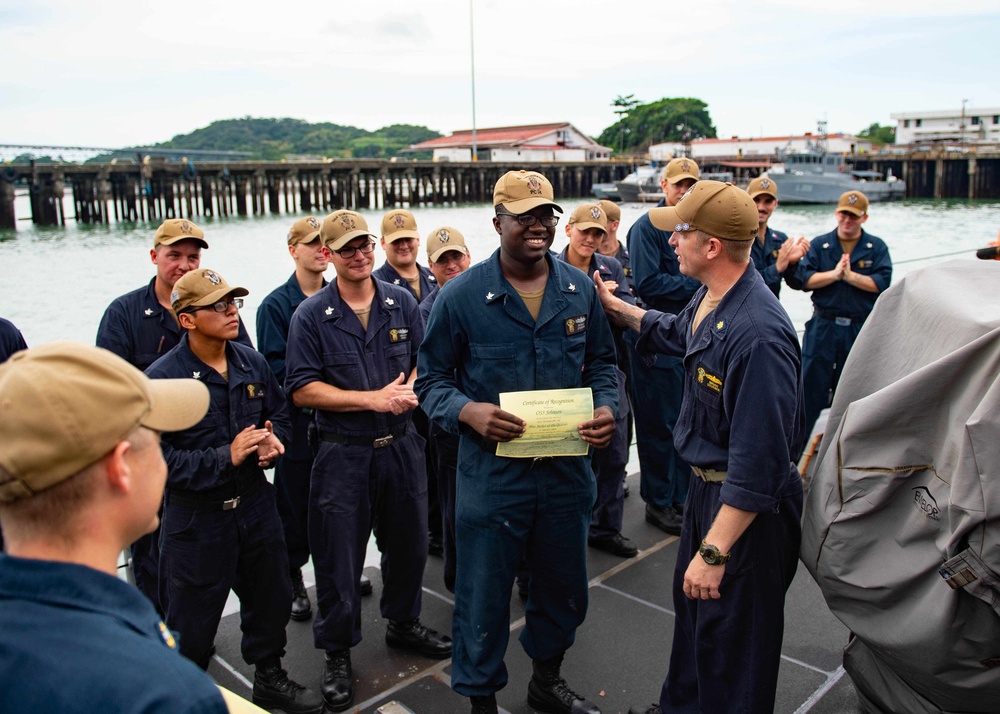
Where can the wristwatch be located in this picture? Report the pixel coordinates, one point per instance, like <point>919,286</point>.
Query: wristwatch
<point>711,555</point>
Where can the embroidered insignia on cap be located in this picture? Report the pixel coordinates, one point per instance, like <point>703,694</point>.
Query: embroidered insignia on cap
<point>534,187</point>
<point>212,277</point>
<point>390,301</point>
<point>852,199</point>
<point>595,213</point>
<point>314,222</point>
<point>571,286</point>
<point>398,220</point>
<point>443,235</point>
<point>196,375</point>
<point>347,221</point>
<point>685,166</point>
<point>489,296</point>
<point>175,295</point>
<point>147,312</point>
<point>167,636</point>
<point>185,227</point>
<point>765,184</point>
<point>681,227</point>
<point>329,311</point>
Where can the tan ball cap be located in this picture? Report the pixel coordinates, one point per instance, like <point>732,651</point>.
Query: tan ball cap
<point>304,230</point>
<point>589,215</point>
<point>611,210</point>
<point>341,227</point>
<point>64,405</point>
<point>522,191</point>
<point>399,224</point>
<point>176,229</point>
<point>201,288</point>
<point>761,185</point>
<point>719,209</point>
<point>443,239</point>
<point>853,202</point>
<point>680,169</point>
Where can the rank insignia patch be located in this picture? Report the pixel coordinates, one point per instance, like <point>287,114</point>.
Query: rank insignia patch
<point>399,334</point>
<point>576,324</point>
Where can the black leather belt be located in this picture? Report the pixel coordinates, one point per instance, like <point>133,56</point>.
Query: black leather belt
<point>375,442</point>
<point>220,498</point>
<point>843,320</point>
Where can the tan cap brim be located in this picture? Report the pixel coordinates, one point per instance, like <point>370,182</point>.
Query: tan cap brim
<point>851,209</point>
<point>680,177</point>
<point>436,255</point>
<point>396,235</point>
<point>527,204</point>
<point>215,296</point>
<point>196,239</point>
<point>764,192</point>
<point>347,238</point>
<point>176,404</point>
<point>584,225</point>
<point>307,238</point>
<point>665,218</point>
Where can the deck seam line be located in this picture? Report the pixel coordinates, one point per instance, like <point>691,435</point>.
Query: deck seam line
<point>814,698</point>
<point>808,666</point>
<point>438,595</point>
<point>633,598</point>
<point>229,668</point>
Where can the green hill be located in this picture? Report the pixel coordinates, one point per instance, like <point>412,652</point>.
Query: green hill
<point>275,139</point>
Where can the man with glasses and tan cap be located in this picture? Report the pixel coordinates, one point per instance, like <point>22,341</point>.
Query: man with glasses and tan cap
<point>401,243</point>
<point>775,257</point>
<point>657,388</point>
<point>518,321</point>
<point>139,328</point>
<point>352,354</point>
<point>740,427</point>
<point>448,257</point>
<point>846,270</point>
<point>81,477</point>
<point>221,529</point>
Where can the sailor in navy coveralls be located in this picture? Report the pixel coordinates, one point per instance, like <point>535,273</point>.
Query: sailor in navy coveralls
<point>352,352</point>
<point>846,270</point>
<point>140,328</point>
<point>740,427</point>
<point>520,320</point>
<point>775,257</point>
<point>221,529</point>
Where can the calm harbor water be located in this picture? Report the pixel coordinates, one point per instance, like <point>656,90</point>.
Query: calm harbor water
<point>56,282</point>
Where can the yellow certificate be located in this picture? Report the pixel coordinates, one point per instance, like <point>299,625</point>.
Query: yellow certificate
<point>552,417</point>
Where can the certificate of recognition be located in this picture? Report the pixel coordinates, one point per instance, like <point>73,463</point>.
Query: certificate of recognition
<point>552,417</point>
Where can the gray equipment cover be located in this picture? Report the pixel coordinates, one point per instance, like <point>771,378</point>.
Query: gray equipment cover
<point>901,519</point>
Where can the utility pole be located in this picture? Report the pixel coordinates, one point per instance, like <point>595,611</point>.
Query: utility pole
<point>472,55</point>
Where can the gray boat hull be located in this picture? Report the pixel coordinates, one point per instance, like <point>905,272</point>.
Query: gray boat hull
<point>828,188</point>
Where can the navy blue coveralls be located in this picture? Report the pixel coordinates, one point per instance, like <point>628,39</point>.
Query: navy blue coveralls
<point>657,388</point>
<point>609,463</point>
<point>839,312</point>
<point>137,328</point>
<point>11,341</point>
<point>362,479</point>
<point>220,529</point>
<point>742,414</point>
<point>291,473</point>
<point>482,341</point>
<point>428,283</point>
<point>765,259</point>
<point>75,640</point>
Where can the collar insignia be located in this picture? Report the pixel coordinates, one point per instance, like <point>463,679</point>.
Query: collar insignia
<point>196,375</point>
<point>571,286</point>
<point>390,301</point>
<point>147,312</point>
<point>826,245</point>
<point>720,324</point>
<point>329,311</point>
<point>167,636</point>
<point>489,296</point>
<point>868,245</point>
<point>431,279</point>
<point>396,281</point>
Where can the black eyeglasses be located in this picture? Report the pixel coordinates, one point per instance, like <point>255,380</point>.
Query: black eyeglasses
<point>527,220</point>
<point>348,252</point>
<point>221,306</point>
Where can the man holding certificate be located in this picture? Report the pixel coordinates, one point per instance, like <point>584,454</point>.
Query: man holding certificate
<point>518,360</point>
<point>740,428</point>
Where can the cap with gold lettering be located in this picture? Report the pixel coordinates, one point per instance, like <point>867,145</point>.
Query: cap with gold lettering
<point>522,191</point>
<point>719,209</point>
<point>177,229</point>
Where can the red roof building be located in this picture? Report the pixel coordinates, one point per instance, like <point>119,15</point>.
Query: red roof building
<point>534,142</point>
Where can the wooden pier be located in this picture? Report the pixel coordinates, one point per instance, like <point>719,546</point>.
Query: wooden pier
<point>103,193</point>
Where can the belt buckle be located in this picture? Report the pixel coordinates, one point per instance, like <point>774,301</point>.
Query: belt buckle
<point>382,441</point>
<point>842,321</point>
<point>231,504</point>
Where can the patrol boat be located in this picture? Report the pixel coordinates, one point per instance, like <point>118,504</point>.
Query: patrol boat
<point>820,177</point>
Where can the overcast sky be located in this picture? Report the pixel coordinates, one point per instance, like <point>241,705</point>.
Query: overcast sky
<point>110,73</point>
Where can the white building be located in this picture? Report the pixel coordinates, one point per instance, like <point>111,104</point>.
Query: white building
<point>532,143</point>
<point>764,146</point>
<point>976,126</point>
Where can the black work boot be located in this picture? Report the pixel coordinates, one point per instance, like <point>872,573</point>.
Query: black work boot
<point>338,684</point>
<point>272,689</point>
<point>484,705</point>
<point>365,585</point>
<point>549,693</point>
<point>302,609</point>
<point>414,637</point>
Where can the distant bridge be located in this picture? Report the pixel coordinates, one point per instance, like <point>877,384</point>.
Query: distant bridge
<point>79,154</point>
